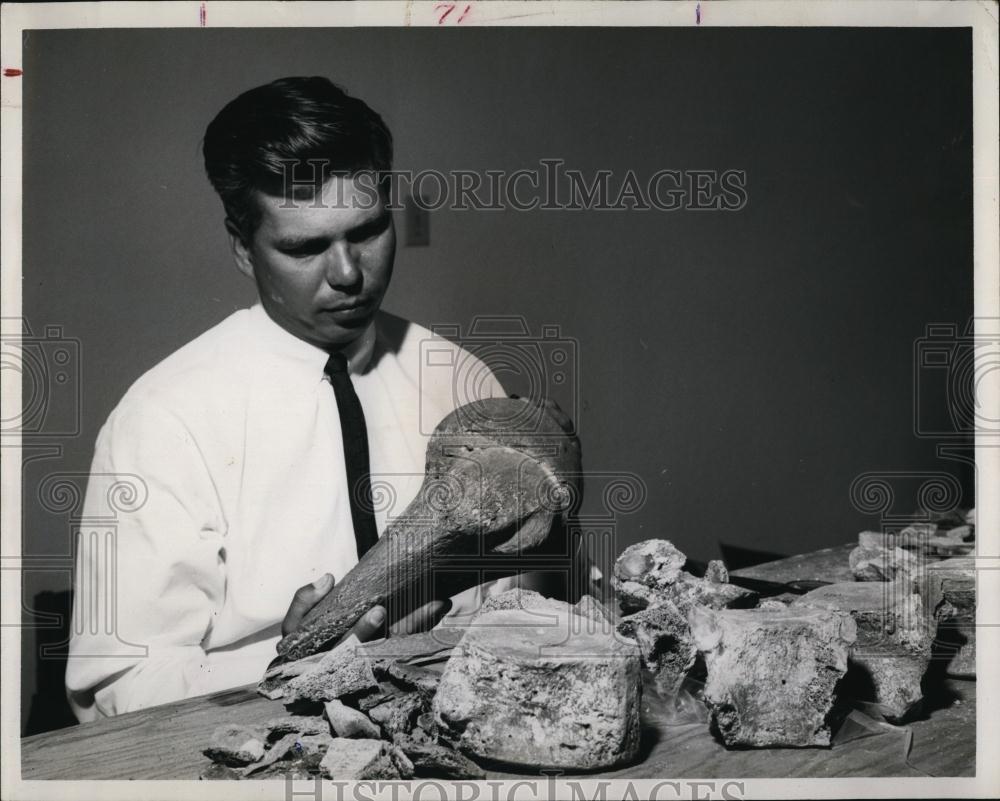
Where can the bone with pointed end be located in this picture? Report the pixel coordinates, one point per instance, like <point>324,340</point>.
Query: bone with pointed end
<point>497,472</point>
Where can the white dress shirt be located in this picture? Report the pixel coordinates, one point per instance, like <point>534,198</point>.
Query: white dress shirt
<point>233,446</point>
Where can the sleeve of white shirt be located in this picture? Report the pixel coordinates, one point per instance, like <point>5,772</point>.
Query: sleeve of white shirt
<point>149,582</point>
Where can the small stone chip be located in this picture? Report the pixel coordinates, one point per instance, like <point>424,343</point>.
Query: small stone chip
<point>216,770</point>
<point>347,760</point>
<point>294,724</point>
<point>716,572</point>
<point>235,745</point>
<point>276,752</point>
<point>347,722</point>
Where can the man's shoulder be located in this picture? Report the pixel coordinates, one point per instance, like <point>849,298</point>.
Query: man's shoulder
<point>438,363</point>
<point>412,343</point>
<point>208,361</point>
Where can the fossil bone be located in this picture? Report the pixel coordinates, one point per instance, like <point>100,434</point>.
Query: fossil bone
<point>498,471</point>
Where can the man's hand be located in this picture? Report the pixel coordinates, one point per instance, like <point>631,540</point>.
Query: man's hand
<point>372,623</point>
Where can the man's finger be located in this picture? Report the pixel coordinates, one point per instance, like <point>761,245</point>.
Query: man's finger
<point>305,598</point>
<point>421,619</point>
<point>371,626</point>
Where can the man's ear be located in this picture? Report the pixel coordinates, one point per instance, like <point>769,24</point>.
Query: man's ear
<point>240,249</point>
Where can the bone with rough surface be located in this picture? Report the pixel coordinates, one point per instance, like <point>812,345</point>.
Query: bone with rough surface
<point>772,673</point>
<point>533,695</point>
<point>893,645</point>
<point>665,644</point>
<point>497,473</point>
<point>643,571</point>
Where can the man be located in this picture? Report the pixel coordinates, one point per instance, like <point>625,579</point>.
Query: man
<point>238,443</point>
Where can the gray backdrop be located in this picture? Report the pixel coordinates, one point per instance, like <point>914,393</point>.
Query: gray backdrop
<point>747,367</point>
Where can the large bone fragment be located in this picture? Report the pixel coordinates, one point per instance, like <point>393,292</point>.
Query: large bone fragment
<point>520,692</point>
<point>497,472</point>
<point>948,590</point>
<point>893,646</point>
<point>772,673</point>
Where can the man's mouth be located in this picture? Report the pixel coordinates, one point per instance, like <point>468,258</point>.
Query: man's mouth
<point>349,311</point>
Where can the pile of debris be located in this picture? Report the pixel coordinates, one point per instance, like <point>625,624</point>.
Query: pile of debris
<point>931,559</point>
<point>355,712</point>
<point>532,683</point>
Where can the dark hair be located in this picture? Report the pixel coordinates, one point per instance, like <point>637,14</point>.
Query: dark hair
<point>295,122</point>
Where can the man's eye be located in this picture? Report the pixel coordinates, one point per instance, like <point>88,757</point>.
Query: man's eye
<point>304,251</point>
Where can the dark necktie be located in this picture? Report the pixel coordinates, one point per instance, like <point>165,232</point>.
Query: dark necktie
<point>355,435</point>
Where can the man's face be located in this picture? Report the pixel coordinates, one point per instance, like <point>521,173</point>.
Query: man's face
<point>321,265</point>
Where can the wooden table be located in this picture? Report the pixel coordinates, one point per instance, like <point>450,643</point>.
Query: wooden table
<point>165,742</point>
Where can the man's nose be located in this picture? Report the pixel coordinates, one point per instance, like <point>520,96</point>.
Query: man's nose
<point>342,266</point>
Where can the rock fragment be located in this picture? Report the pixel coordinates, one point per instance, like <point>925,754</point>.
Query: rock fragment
<point>893,645</point>
<point>772,673</point>
<point>216,770</point>
<point>278,751</point>
<point>397,714</point>
<point>717,572</point>
<point>420,679</point>
<point>347,722</point>
<point>294,724</point>
<point>916,536</point>
<point>689,591</point>
<point>665,644</point>
<point>649,573</point>
<point>643,570</point>
<point>433,760</point>
<point>948,590</point>
<point>235,745</point>
<point>345,670</point>
<point>520,693</point>
<point>349,760</point>
<point>881,564</point>
<point>272,685</point>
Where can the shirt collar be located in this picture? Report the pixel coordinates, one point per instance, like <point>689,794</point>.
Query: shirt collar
<point>288,346</point>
